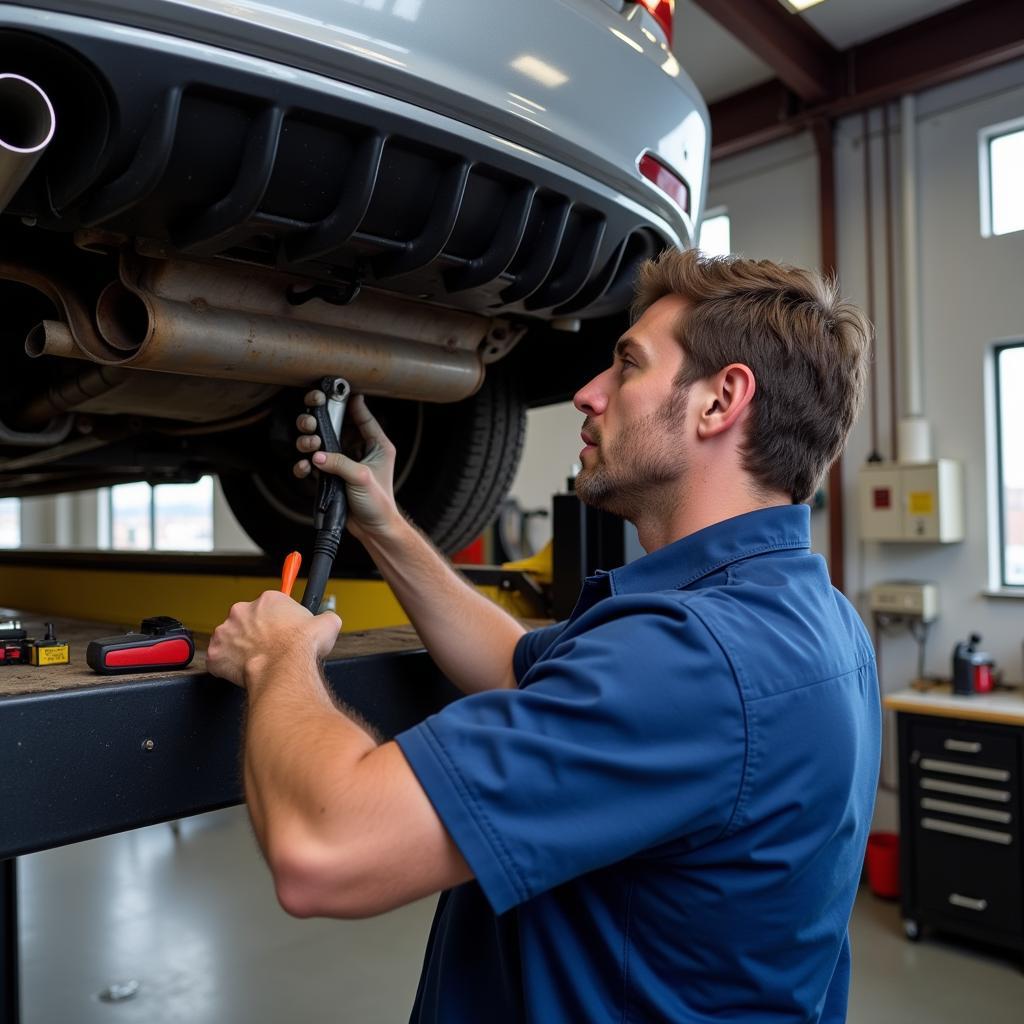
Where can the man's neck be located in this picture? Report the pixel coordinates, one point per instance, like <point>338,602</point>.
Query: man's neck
<point>668,518</point>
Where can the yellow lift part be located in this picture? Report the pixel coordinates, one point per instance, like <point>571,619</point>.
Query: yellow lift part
<point>199,600</point>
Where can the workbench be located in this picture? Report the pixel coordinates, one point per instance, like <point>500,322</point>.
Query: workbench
<point>961,764</point>
<point>83,755</point>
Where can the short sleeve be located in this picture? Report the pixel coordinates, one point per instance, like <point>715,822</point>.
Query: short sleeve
<point>532,645</point>
<point>631,734</point>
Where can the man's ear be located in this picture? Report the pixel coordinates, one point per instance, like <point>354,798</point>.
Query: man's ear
<point>724,397</point>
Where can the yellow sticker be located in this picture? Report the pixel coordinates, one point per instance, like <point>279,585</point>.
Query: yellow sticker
<point>922,503</point>
<point>57,655</point>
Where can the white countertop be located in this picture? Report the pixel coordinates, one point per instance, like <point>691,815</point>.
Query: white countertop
<point>1002,706</point>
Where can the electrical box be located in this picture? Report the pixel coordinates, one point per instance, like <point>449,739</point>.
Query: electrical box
<point>922,503</point>
<point>910,598</point>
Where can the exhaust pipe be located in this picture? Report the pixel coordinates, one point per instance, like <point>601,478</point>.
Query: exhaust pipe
<point>27,124</point>
<point>238,325</point>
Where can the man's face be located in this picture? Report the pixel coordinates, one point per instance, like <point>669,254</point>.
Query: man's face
<point>635,449</point>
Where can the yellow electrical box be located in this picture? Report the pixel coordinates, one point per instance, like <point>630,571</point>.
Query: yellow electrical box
<point>920,503</point>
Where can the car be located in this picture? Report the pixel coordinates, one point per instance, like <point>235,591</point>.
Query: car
<point>207,206</point>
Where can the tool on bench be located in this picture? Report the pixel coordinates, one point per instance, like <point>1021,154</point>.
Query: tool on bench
<point>13,643</point>
<point>289,572</point>
<point>50,650</point>
<point>162,643</point>
<point>331,503</point>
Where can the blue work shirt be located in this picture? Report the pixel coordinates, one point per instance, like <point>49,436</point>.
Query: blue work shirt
<point>667,819</point>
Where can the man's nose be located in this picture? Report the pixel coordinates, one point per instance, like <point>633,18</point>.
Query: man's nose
<point>592,398</point>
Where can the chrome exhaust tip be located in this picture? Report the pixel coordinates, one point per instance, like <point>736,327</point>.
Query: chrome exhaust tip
<point>27,125</point>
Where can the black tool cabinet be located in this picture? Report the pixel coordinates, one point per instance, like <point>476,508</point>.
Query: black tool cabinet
<point>960,818</point>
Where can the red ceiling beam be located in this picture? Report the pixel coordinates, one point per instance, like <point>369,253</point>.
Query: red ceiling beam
<point>956,42</point>
<point>804,61</point>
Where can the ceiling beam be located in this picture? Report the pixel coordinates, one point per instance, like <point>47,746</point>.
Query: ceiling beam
<point>804,61</point>
<point>956,42</point>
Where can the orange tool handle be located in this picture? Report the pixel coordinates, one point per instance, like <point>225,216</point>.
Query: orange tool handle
<point>290,571</point>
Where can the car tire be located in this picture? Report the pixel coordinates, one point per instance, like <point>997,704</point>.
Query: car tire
<point>455,464</point>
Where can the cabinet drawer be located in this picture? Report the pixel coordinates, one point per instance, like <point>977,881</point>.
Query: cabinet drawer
<point>967,746</point>
<point>970,879</point>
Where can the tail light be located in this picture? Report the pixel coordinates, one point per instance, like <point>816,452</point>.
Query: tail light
<point>663,11</point>
<point>668,181</point>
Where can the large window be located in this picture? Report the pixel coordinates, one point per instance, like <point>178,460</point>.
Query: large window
<point>1009,362</point>
<point>714,234</point>
<point>165,517</point>
<point>10,522</point>
<point>1001,149</point>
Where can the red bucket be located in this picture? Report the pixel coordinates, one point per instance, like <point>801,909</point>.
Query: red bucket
<point>883,864</point>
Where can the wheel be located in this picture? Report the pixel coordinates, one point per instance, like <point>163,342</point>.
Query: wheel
<point>912,930</point>
<point>455,464</point>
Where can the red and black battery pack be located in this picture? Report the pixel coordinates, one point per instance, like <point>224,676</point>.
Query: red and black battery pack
<point>14,644</point>
<point>162,643</point>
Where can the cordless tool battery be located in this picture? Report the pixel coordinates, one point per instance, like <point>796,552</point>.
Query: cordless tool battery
<point>162,643</point>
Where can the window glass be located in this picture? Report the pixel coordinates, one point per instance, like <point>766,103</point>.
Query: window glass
<point>1006,172</point>
<point>183,516</point>
<point>10,522</point>
<point>131,517</point>
<point>1010,379</point>
<point>714,235</point>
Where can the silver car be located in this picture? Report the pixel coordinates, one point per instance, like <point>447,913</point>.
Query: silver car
<point>206,206</point>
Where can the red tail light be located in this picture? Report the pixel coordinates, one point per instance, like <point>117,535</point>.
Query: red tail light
<point>663,11</point>
<point>669,182</point>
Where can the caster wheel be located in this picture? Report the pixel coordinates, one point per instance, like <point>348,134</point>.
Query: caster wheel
<point>912,930</point>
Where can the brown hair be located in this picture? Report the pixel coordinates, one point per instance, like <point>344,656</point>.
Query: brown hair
<point>807,348</point>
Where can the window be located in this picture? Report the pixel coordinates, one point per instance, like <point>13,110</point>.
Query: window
<point>165,517</point>
<point>1001,149</point>
<point>714,234</point>
<point>1009,372</point>
<point>10,522</point>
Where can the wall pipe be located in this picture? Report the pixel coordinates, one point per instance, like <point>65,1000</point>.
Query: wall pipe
<point>869,266</point>
<point>914,385</point>
<point>890,284</point>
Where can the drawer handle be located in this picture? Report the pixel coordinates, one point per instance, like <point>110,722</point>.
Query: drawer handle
<point>929,803</point>
<point>986,835</point>
<point>967,902</point>
<point>962,746</point>
<point>959,789</point>
<point>934,764</point>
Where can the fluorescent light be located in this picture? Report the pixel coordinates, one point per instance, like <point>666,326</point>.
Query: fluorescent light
<point>540,71</point>
<point>800,5</point>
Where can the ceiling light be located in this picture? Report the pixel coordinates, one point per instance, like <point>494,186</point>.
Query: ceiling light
<point>799,5</point>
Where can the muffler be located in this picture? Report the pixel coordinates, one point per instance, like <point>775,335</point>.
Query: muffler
<point>27,124</point>
<point>239,324</point>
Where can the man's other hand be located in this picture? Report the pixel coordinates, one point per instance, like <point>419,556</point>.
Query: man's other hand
<point>271,628</point>
<point>370,483</point>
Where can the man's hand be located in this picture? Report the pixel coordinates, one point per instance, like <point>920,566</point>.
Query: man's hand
<point>370,483</point>
<point>257,633</point>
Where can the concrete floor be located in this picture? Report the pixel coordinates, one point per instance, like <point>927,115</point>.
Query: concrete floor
<point>192,918</point>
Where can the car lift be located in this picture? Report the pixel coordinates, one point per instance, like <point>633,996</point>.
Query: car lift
<point>85,755</point>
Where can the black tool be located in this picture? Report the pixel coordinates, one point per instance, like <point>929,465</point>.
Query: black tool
<point>162,643</point>
<point>331,502</point>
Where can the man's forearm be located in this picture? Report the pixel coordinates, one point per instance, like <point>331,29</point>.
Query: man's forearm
<point>469,637</point>
<point>299,750</point>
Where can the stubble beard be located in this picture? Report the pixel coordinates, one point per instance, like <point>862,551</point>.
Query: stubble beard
<point>638,475</point>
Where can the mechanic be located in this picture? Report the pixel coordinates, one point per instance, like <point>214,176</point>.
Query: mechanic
<point>657,810</point>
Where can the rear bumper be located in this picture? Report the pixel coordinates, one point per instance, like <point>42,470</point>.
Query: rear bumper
<point>215,153</point>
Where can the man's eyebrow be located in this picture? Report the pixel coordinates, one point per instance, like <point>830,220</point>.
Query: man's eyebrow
<point>628,344</point>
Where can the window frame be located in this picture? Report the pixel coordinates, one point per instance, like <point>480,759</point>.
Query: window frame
<point>986,136</point>
<point>105,524</point>
<point>999,562</point>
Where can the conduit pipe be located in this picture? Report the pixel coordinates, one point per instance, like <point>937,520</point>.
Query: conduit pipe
<point>27,124</point>
<point>914,430</point>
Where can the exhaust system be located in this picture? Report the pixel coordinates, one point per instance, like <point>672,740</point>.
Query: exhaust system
<point>239,324</point>
<point>27,124</point>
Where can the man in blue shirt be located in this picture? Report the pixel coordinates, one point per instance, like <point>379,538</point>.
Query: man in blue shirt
<point>657,810</point>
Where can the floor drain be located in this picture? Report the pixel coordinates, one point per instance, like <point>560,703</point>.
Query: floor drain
<point>119,991</point>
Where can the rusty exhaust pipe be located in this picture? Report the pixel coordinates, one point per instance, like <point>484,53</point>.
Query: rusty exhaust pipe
<point>238,324</point>
<point>27,124</point>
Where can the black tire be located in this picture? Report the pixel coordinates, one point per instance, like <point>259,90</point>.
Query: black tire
<point>455,464</point>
